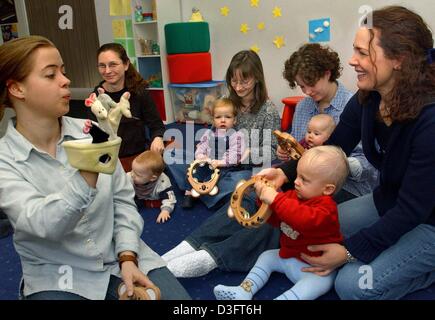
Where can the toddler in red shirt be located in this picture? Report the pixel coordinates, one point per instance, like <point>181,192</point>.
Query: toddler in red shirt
<point>307,215</point>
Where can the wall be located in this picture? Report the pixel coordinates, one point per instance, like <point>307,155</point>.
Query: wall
<point>226,39</point>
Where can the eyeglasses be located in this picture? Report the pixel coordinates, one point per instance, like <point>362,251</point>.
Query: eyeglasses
<point>243,83</point>
<point>110,65</point>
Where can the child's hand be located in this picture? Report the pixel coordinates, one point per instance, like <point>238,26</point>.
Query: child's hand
<point>163,216</point>
<point>264,192</point>
<point>216,163</point>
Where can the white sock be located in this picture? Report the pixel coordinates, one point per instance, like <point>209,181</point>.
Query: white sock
<point>180,250</point>
<point>195,264</point>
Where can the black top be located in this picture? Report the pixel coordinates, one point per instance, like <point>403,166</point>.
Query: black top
<point>135,138</point>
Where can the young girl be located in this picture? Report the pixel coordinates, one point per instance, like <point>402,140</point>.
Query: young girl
<point>222,146</point>
<point>78,235</point>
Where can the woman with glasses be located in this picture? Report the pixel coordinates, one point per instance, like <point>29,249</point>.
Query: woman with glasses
<point>214,243</point>
<point>119,76</point>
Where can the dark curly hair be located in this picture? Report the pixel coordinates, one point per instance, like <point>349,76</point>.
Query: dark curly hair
<point>404,35</point>
<point>310,62</point>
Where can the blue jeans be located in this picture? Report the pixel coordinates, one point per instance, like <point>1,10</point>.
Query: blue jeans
<point>233,247</point>
<point>169,287</point>
<point>406,266</point>
<point>226,184</point>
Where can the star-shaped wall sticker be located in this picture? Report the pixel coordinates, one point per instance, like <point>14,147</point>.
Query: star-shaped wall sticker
<point>276,12</point>
<point>254,3</point>
<point>261,26</point>
<point>279,41</point>
<point>255,48</point>
<point>244,28</point>
<point>225,11</point>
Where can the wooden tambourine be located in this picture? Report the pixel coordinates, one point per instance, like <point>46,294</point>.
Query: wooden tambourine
<point>139,293</point>
<point>289,144</point>
<point>205,187</point>
<point>235,210</point>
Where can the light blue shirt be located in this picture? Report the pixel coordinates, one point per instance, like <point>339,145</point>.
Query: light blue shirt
<point>67,234</point>
<point>307,108</point>
<point>366,177</point>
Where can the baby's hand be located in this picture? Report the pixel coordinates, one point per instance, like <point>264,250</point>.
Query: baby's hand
<point>163,216</point>
<point>215,163</point>
<point>264,192</point>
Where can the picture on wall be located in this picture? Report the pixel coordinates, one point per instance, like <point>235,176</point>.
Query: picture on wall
<point>9,32</point>
<point>8,14</point>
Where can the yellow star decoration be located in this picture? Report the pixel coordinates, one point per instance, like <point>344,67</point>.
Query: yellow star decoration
<point>224,11</point>
<point>279,41</point>
<point>244,28</point>
<point>261,26</point>
<point>276,12</point>
<point>255,48</point>
<point>254,3</point>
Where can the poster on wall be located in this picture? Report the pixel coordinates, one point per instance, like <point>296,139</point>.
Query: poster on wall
<point>9,32</point>
<point>8,14</point>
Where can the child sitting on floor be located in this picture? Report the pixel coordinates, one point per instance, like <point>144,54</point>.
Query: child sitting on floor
<point>152,187</point>
<point>307,215</point>
<point>222,145</point>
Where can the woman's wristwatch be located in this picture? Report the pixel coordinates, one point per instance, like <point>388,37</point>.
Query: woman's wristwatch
<point>349,257</point>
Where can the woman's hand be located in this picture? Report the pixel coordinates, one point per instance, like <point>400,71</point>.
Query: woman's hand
<point>157,145</point>
<point>131,274</point>
<point>333,256</point>
<point>274,175</point>
<point>281,154</point>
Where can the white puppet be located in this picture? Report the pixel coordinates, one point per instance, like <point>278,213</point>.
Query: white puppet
<point>101,155</point>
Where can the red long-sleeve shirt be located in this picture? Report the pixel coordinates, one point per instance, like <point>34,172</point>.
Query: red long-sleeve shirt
<point>304,223</point>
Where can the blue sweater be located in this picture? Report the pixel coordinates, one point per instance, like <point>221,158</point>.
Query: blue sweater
<point>405,196</point>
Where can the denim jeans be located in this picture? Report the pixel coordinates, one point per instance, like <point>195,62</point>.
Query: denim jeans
<point>226,184</point>
<point>169,287</point>
<point>233,247</point>
<point>406,266</point>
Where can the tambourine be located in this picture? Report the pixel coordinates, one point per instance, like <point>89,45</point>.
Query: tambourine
<point>289,144</point>
<point>235,210</point>
<point>203,187</point>
<point>139,293</point>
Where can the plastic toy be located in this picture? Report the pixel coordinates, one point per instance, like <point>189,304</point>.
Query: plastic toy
<point>138,13</point>
<point>243,217</point>
<point>196,15</point>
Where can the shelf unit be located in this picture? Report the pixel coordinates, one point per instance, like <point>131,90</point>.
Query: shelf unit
<point>165,11</point>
